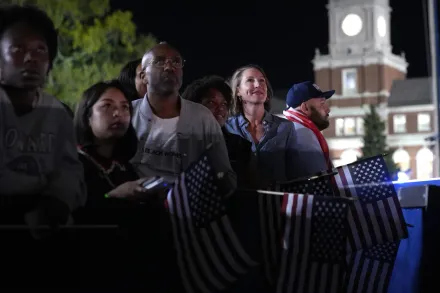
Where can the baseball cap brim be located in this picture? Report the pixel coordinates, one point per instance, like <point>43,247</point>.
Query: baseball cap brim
<point>328,94</point>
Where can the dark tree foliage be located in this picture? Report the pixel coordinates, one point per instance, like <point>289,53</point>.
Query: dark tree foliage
<point>375,140</point>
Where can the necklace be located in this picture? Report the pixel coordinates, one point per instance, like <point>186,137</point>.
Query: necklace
<point>103,172</point>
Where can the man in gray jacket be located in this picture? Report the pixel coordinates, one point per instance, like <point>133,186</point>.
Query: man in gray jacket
<point>309,111</point>
<point>173,132</point>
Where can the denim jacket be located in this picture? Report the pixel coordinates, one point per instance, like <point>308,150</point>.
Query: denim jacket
<point>276,152</point>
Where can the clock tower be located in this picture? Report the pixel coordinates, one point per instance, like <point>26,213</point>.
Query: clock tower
<point>359,27</point>
<point>360,66</point>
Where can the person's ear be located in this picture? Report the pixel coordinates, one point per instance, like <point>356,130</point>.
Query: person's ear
<point>143,77</point>
<point>304,107</point>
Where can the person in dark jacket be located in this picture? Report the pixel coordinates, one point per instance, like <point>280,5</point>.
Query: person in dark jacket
<point>106,143</point>
<point>214,93</point>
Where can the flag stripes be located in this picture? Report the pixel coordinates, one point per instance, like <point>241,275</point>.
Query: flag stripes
<point>313,256</point>
<point>376,217</point>
<point>209,254</point>
<point>370,270</point>
<point>270,229</point>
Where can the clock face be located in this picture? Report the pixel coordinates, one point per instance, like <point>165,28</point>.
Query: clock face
<point>381,26</point>
<point>352,25</point>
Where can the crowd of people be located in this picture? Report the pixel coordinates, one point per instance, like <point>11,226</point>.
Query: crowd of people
<point>55,170</point>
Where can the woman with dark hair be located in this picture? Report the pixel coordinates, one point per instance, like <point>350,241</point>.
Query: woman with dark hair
<point>131,79</point>
<point>106,143</point>
<point>214,93</point>
<point>273,138</point>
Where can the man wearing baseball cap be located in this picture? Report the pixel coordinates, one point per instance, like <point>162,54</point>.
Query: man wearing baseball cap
<point>307,108</point>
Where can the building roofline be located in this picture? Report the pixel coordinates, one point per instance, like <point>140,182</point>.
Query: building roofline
<point>330,62</point>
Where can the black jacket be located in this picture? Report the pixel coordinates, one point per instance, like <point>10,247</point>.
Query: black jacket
<point>240,156</point>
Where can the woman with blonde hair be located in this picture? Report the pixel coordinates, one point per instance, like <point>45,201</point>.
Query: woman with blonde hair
<point>273,138</point>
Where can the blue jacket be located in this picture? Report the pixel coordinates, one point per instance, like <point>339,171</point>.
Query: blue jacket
<point>276,152</point>
<point>310,155</point>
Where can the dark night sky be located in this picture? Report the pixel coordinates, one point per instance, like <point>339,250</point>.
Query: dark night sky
<point>216,37</point>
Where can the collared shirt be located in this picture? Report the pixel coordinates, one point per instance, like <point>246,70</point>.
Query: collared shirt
<point>275,152</point>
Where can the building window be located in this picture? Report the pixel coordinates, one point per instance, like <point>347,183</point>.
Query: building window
<point>399,123</point>
<point>349,126</point>
<point>360,125</point>
<point>349,156</point>
<point>425,163</point>
<point>423,122</point>
<point>339,127</point>
<point>401,158</point>
<point>349,81</point>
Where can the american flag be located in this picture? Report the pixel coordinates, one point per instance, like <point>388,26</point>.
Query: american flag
<point>370,270</point>
<point>272,222</point>
<point>271,233</point>
<point>376,217</point>
<point>209,254</point>
<point>315,233</point>
<point>316,185</point>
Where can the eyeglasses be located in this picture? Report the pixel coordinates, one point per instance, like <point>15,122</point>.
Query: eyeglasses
<point>160,62</point>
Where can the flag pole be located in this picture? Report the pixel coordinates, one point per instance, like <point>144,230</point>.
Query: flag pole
<point>63,227</point>
<point>434,47</point>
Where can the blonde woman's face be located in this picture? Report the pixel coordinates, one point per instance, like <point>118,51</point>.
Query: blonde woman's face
<point>252,87</point>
